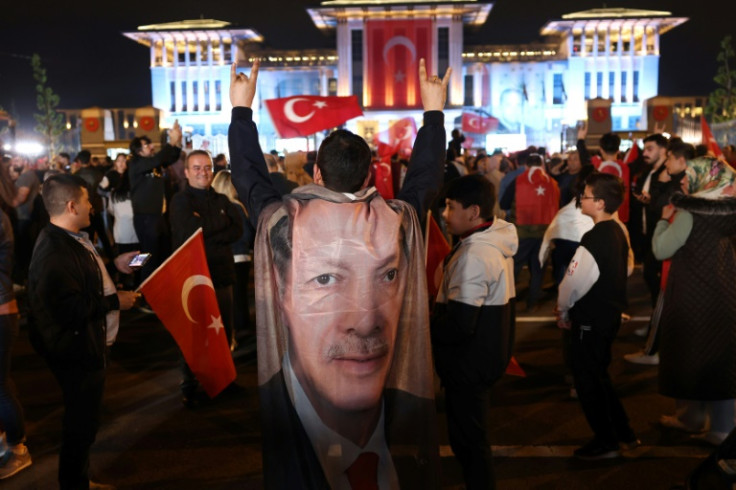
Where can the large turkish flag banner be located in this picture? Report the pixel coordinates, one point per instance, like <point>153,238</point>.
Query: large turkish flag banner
<point>394,48</point>
<point>181,293</point>
<point>304,115</point>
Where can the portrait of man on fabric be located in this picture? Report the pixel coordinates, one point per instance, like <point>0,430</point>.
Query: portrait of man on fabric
<point>344,365</point>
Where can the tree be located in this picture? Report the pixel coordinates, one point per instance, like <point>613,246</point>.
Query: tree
<point>50,123</point>
<point>722,101</point>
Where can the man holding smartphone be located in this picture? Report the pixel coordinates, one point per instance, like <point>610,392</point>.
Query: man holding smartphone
<point>73,316</point>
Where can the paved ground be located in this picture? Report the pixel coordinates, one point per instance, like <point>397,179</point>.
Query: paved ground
<point>149,440</point>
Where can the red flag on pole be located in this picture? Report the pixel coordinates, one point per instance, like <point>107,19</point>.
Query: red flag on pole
<point>383,180</point>
<point>181,293</point>
<point>398,139</point>
<point>436,249</point>
<point>708,139</point>
<point>475,123</point>
<point>304,115</point>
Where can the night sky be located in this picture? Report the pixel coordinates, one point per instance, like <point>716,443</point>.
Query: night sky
<point>90,63</point>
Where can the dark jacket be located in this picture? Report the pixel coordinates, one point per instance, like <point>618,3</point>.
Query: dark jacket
<point>67,304</point>
<point>221,226</point>
<point>146,180</point>
<point>6,259</point>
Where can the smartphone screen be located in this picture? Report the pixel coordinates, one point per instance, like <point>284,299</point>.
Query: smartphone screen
<point>139,260</point>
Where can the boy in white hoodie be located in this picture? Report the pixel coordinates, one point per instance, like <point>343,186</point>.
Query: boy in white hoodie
<point>473,321</point>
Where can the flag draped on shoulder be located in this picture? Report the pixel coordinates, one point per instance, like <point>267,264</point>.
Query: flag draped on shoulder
<point>304,115</point>
<point>181,293</point>
<point>537,197</point>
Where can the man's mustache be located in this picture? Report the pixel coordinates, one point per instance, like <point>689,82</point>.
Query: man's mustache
<point>356,345</point>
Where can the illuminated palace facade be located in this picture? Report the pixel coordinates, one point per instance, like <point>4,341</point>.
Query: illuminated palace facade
<point>535,91</point>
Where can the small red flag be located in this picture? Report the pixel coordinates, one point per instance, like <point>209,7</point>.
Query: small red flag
<point>708,139</point>
<point>514,368</point>
<point>475,123</point>
<point>304,115</point>
<point>436,249</point>
<point>383,179</point>
<point>181,293</point>
<point>398,139</point>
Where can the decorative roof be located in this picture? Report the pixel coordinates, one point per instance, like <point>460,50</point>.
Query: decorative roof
<point>327,15</point>
<point>615,13</point>
<point>186,25</point>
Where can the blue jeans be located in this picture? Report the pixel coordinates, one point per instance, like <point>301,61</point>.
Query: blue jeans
<point>11,413</point>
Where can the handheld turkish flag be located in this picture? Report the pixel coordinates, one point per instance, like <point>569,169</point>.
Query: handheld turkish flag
<point>436,249</point>
<point>708,139</point>
<point>398,139</point>
<point>181,293</point>
<point>475,123</point>
<point>384,181</point>
<point>304,115</point>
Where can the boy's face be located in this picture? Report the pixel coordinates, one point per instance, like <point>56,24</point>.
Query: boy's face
<point>588,202</point>
<point>457,218</point>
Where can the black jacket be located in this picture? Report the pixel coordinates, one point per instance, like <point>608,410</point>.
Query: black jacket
<point>67,304</point>
<point>6,258</point>
<point>221,226</point>
<point>146,180</point>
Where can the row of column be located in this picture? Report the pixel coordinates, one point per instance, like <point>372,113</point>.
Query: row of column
<point>631,37</point>
<point>159,51</point>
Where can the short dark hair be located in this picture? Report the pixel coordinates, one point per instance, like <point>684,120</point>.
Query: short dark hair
<point>344,160</point>
<point>136,144</point>
<point>83,157</point>
<point>701,150</point>
<point>534,160</point>
<point>679,148</point>
<point>195,153</point>
<point>610,142</point>
<point>473,190</point>
<point>60,189</point>
<point>608,188</point>
<point>657,138</point>
<point>64,154</point>
<point>219,158</point>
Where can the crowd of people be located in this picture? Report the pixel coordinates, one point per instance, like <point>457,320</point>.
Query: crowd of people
<point>333,256</point>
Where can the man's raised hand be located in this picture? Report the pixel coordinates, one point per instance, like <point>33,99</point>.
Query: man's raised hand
<point>242,86</point>
<point>434,89</point>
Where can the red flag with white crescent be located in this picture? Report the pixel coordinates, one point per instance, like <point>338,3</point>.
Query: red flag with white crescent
<point>181,293</point>
<point>399,138</point>
<point>436,249</point>
<point>384,179</point>
<point>303,115</point>
<point>394,48</point>
<point>475,123</point>
<point>537,197</point>
<point>708,139</point>
<point>620,170</point>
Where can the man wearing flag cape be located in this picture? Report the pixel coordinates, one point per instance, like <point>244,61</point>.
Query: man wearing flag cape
<point>345,370</point>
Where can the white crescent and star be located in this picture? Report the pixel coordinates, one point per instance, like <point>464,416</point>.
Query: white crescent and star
<point>399,76</point>
<point>611,164</point>
<point>473,122</point>
<point>534,169</point>
<point>292,116</point>
<point>189,284</point>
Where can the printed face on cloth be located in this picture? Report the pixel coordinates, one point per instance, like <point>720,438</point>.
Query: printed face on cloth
<point>341,300</point>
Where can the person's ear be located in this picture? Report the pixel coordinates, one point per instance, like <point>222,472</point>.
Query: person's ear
<point>318,176</point>
<point>475,212</point>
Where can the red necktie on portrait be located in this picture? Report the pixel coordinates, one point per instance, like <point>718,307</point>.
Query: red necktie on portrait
<point>363,473</point>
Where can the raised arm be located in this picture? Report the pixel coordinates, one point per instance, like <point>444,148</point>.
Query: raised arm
<point>249,170</point>
<point>426,167</point>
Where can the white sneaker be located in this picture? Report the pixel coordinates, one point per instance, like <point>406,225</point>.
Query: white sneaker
<point>642,332</point>
<point>642,358</point>
<point>14,460</point>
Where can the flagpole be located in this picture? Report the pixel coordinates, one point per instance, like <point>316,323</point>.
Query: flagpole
<point>426,237</point>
